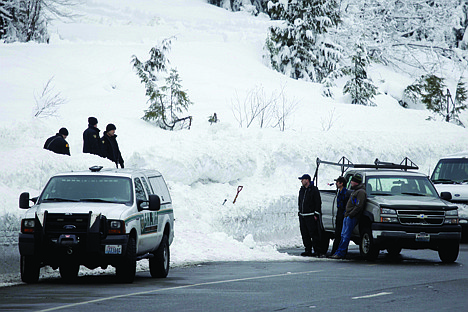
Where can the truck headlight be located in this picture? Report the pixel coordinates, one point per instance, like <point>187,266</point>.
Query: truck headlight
<point>387,211</point>
<point>27,226</point>
<point>116,227</point>
<point>389,219</point>
<point>453,212</point>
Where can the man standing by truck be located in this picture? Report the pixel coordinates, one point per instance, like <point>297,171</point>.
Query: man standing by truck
<point>310,208</point>
<point>342,198</point>
<point>354,209</point>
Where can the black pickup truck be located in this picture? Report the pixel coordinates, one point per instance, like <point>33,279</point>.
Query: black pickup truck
<point>403,210</point>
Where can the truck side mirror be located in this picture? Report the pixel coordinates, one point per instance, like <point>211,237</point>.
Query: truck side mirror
<point>24,201</point>
<point>446,196</point>
<point>154,203</point>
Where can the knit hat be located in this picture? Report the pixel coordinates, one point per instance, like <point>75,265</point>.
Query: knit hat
<point>357,178</point>
<point>63,131</point>
<point>110,127</point>
<point>92,121</point>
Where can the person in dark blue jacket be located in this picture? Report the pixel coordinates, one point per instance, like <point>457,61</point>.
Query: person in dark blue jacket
<point>57,143</point>
<point>342,197</point>
<point>91,139</point>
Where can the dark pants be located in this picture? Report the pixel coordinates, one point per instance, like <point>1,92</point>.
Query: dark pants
<point>338,229</point>
<point>310,233</point>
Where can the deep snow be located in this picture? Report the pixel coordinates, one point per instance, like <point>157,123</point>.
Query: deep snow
<point>219,56</point>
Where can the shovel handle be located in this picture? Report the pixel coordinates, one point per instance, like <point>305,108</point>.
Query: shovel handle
<point>239,188</point>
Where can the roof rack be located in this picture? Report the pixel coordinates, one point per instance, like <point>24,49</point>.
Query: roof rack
<point>406,164</point>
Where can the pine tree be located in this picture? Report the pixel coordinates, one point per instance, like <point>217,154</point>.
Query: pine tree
<point>360,87</point>
<point>434,94</point>
<point>167,100</point>
<point>301,48</point>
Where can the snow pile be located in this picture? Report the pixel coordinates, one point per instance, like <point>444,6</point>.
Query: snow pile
<point>218,55</point>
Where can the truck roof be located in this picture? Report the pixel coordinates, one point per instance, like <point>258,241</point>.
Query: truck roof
<point>463,154</point>
<point>127,172</point>
<point>386,172</point>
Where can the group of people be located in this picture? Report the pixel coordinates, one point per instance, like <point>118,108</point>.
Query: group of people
<point>350,205</point>
<point>105,146</point>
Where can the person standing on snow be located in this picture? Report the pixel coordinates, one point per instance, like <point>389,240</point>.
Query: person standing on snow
<point>91,140</point>
<point>110,148</point>
<point>354,209</point>
<point>342,197</point>
<point>57,143</point>
<point>310,209</point>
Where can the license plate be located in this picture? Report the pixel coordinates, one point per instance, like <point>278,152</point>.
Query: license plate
<point>113,250</point>
<point>423,237</point>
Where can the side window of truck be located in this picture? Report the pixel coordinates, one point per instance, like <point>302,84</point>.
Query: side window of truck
<point>147,188</point>
<point>160,189</point>
<point>139,190</point>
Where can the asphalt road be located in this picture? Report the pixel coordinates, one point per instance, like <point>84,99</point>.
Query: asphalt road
<point>415,281</point>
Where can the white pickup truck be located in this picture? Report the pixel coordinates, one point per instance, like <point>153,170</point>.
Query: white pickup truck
<point>451,175</point>
<point>403,210</point>
<point>97,218</point>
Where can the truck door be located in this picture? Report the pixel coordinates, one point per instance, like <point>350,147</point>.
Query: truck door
<point>148,220</point>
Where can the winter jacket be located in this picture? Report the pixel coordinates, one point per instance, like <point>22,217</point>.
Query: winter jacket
<point>342,198</point>
<point>110,149</point>
<point>91,141</point>
<point>309,201</point>
<point>57,144</point>
<point>357,201</point>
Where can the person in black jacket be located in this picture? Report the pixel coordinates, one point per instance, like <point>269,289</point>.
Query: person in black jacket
<point>57,143</point>
<point>310,210</point>
<point>91,140</point>
<point>110,148</point>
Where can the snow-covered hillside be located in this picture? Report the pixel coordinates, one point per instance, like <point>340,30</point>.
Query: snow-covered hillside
<point>219,57</point>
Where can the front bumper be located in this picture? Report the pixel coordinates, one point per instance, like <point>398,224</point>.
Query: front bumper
<point>414,237</point>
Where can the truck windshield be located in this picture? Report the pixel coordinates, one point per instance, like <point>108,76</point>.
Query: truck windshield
<point>453,170</point>
<point>88,189</point>
<point>400,185</point>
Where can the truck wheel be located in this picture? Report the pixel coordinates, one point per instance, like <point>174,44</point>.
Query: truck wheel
<point>126,268</point>
<point>448,252</point>
<point>69,271</point>
<point>367,247</point>
<point>159,264</point>
<point>30,269</point>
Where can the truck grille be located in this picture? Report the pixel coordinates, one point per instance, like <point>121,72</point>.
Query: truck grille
<point>61,224</point>
<point>421,217</point>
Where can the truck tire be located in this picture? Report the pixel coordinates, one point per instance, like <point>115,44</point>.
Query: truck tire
<point>29,268</point>
<point>448,252</point>
<point>69,271</point>
<point>367,247</point>
<point>159,263</point>
<point>126,268</point>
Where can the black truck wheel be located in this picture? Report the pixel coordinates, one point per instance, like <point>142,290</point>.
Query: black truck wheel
<point>448,252</point>
<point>126,269</point>
<point>367,247</point>
<point>29,268</point>
<point>159,263</point>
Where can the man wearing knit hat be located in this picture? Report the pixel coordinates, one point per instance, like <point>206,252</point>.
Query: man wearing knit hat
<point>57,143</point>
<point>354,209</point>
<point>110,147</point>
<point>91,140</point>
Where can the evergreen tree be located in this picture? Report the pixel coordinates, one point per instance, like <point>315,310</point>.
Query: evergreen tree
<point>434,94</point>
<point>360,87</point>
<point>168,100</point>
<point>301,48</point>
